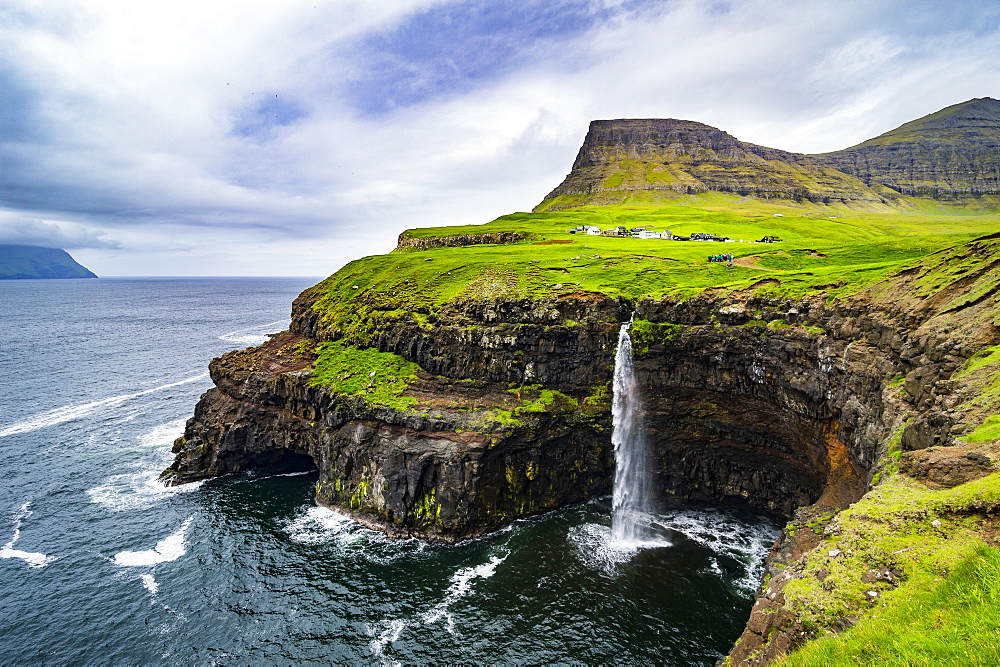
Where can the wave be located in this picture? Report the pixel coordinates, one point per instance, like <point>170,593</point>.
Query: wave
<point>324,526</point>
<point>727,535</point>
<point>320,525</point>
<point>138,490</point>
<point>162,435</point>
<point>166,550</point>
<point>251,335</point>
<point>71,412</point>
<point>390,630</point>
<point>33,559</point>
<point>461,585</point>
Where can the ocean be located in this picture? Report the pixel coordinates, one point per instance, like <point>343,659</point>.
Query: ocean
<point>99,563</point>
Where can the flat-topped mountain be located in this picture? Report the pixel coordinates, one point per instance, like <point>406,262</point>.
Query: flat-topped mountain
<point>952,153</point>
<point>28,261</point>
<point>684,157</point>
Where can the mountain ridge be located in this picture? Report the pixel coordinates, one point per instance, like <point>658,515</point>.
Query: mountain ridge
<point>951,154</point>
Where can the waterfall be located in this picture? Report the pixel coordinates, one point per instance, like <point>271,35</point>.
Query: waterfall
<point>633,487</point>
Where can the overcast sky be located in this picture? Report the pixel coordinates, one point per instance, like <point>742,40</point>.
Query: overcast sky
<point>238,137</point>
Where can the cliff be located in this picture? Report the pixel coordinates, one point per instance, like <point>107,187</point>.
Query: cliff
<point>26,262</point>
<point>675,157</point>
<point>463,381</point>
<point>953,153</point>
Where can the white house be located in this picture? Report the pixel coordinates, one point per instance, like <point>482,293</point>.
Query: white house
<point>647,234</point>
<point>593,231</point>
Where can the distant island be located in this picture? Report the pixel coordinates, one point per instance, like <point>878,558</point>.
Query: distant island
<point>19,262</point>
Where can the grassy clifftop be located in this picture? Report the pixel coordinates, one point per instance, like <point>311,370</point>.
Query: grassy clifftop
<point>950,154</point>
<point>829,250</point>
<point>907,574</point>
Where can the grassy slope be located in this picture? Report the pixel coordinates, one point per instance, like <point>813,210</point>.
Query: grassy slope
<point>941,605</point>
<point>936,126</point>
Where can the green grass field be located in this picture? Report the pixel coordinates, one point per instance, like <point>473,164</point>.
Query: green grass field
<point>829,250</point>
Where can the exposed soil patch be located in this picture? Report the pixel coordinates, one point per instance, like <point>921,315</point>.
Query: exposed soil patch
<point>584,297</point>
<point>438,392</point>
<point>749,262</point>
<point>282,354</point>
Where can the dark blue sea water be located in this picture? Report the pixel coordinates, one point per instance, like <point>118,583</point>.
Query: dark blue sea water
<point>101,564</point>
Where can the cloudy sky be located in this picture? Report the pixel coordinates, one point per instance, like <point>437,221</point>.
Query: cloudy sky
<point>235,137</point>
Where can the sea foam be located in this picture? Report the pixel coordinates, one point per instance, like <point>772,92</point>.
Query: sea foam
<point>33,559</point>
<point>71,412</point>
<point>254,335</point>
<point>388,631</point>
<point>168,549</point>
<point>140,489</point>
<point>461,585</point>
<point>320,525</point>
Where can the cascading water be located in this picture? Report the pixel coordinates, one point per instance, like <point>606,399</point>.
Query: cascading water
<point>632,495</point>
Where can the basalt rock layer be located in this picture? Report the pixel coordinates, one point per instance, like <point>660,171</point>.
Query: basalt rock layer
<point>407,241</point>
<point>798,406</point>
<point>778,404</point>
<point>675,157</point>
<point>953,153</point>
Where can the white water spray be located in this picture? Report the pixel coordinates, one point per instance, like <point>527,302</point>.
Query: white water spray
<point>631,499</point>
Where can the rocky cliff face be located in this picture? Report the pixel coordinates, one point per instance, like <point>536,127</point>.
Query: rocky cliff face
<point>953,153</point>
<point>683,157</point>
<point>794,406</point>
<point>786,405</point>
<point>774,403</point>
<point>407,241</point>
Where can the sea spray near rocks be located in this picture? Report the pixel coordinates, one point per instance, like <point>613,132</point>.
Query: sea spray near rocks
<point>141,488</point>
<point>254,335</point>
<point>632,495</point>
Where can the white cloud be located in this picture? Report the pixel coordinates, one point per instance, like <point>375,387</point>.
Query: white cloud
<point>123,116</point>
<point>18,229</point>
